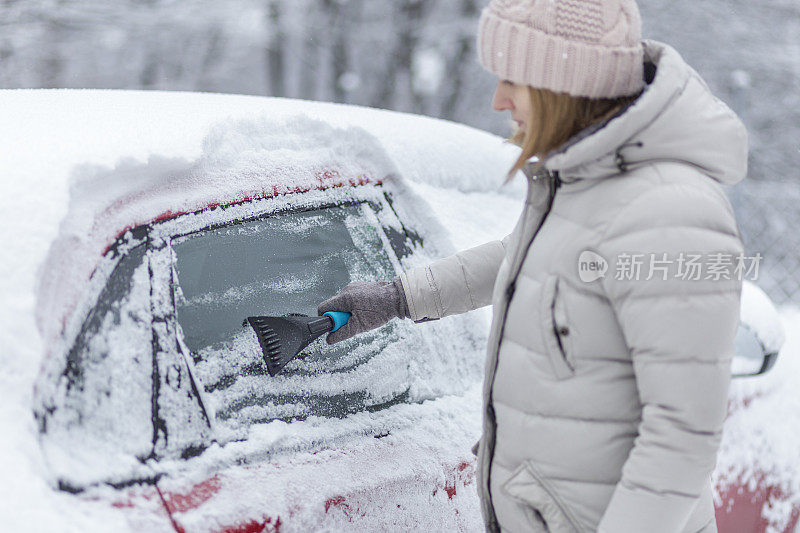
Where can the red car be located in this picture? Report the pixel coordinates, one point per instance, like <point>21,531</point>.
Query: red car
<point>154,398</point>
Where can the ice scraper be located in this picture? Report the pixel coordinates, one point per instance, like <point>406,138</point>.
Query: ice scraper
<point>283,337</point>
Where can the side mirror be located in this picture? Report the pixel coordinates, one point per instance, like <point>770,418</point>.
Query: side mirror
<point>760,335</point>
<point>750,357</point>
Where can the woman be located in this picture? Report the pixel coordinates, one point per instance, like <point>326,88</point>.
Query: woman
<point>608,361</point>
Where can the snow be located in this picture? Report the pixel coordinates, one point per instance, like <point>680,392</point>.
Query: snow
<point>428,67</point>
<point>77,152</point>
<point>758,313</point>
<point>760,435</point>
<point>304,479</point>
<point>109,382</point>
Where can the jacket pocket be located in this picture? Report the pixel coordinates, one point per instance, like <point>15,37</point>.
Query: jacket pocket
<point>528,487</point>
<point>555,329</point>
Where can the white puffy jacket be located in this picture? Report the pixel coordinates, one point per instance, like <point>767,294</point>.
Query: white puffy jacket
<point>604,399</point>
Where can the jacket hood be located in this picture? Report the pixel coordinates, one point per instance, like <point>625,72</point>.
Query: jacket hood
<point>676,118</point>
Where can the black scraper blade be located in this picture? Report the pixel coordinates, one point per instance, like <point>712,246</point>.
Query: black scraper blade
<point>282,338</point>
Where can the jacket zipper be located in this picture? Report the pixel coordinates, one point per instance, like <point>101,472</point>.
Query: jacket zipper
<point>555,183</point>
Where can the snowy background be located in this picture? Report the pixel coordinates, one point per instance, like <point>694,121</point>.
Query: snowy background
<point>407,55</point>
<point>417,56</point>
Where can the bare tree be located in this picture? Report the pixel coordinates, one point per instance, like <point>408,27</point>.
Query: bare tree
<point>275,51</point>
<point>409,16</point>
<point>338,26</point>
<point>309,56</point>
<point>456,64</point>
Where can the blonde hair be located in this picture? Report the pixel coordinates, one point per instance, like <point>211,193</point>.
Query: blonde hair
<point>555,117</point>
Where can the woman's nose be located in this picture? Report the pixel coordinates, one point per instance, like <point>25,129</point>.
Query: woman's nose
<point>501,101</point>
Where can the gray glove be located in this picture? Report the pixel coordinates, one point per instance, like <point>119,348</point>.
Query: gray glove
<point>371,303</point>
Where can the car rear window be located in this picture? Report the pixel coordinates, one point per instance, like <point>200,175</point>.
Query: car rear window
<point>103,407</point>
<point>274,266</point>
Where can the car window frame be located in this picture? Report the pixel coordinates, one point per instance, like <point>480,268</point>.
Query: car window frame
<point>75,327</point>
<point>401,240</point>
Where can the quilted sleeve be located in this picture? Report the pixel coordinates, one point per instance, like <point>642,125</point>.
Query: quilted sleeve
<point>455,284</point>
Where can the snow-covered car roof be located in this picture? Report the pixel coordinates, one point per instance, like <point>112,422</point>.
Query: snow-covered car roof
<point>82,166</point>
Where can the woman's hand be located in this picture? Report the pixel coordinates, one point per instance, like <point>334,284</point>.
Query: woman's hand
<point>371,303</point>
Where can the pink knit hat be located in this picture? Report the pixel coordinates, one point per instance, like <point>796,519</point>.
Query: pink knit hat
<point>581,47</point>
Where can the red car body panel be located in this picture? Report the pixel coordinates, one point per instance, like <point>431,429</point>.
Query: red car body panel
<point>741,505</point>
<point>382,482</point>
<point>741,508</point>
<point>142,507</point>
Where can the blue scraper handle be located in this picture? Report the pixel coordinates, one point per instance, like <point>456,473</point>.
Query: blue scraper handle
<point>340,318</point>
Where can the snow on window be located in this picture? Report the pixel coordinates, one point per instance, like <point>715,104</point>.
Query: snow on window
<point>289,263</point>
<point>101,418</point>
<point>274,266</point>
